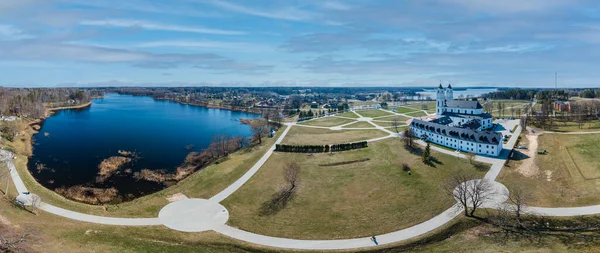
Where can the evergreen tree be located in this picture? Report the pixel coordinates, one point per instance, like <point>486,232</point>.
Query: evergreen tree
<point>426,153</point>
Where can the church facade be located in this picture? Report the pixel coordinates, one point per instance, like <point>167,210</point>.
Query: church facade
<point>460,125</point>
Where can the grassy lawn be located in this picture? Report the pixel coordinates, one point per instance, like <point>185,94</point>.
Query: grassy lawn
<point>351,200</point>
<point>430,107</point>
<point>569,174</point>
<point>570,126</point>
<point>202,184</point>
<point>314,136</point>
<point>417,114</point>
<point>402,109</point>
<point>388,124</point>
<point>348,115</point>
<point>392,117</point>
<point>373,113</point>
<point>360,124</point>
<point>327,122</point>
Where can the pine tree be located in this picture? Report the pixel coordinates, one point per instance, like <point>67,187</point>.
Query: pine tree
<point>426,153</point>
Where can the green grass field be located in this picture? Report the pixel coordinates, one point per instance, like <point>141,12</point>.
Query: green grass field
<point>327,122</point>
<point>314,136</point>
<point>570,126</point>
<point>417,114</point>
<point>373,113</point>
<point>391,117</point>
<point>430,106</point>
<point>360,124</point>
<point>384,198</point>
<point>569,175</point>
<point>348,115</point>
<point>402,109</point>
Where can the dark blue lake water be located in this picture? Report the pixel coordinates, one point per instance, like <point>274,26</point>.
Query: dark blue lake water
<point>161,132</point>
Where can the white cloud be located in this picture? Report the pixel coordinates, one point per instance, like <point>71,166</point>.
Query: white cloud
<point>147,25</point>
<point>235,46</point>
<point>288,13</point>
<point>8,32</point>
<point>510,6</point>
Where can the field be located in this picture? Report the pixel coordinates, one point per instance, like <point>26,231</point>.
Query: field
<point>570,126</point>
<point>417,114</point>
<point>402,109</point>
<point>315,136</point>
<point>391,117</point>
<point>430,107</point>
<point>569,175</point>
<point>373,113</point>
<point>327,122</point>
<point>348,115</point>
<point>386,198</point>
<point>360,124</point>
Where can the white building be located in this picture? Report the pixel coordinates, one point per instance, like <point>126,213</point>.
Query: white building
<point>459,124</point>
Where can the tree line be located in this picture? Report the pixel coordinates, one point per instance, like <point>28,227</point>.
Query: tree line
<point>32,102</point>
<point>320,148</point>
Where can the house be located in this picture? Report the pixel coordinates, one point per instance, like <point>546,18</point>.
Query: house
<point>459,125</point>
<point>562,106</point>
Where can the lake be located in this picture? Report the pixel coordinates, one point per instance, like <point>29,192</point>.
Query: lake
<point>459,93</point>
<point>72,143</point>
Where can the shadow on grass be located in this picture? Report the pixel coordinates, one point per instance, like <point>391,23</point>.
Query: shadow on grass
<point>518,156</point>
<point>277,202</point>
<point>432,162</point>
<point>481,166</point>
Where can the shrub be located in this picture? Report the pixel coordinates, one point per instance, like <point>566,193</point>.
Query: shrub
<point>405,167</point>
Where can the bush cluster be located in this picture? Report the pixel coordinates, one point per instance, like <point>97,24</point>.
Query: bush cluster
<point>320,148</point>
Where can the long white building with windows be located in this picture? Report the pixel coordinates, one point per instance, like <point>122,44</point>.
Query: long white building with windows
<point>460,125</point>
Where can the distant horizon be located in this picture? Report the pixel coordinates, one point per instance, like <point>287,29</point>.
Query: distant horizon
<point>454,86</point>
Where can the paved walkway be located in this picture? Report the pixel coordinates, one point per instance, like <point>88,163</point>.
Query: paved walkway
<point>242,180</point>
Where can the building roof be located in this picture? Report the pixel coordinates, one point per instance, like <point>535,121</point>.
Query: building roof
<point>449,86</point>
<point>468,116</point>
<point>443,120</point>
<point>473,125</point>
<point>484,137</point>
<point>440,86</point>
<point>463,104</point>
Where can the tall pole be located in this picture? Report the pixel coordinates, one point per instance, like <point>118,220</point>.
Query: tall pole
<point>555,80</point>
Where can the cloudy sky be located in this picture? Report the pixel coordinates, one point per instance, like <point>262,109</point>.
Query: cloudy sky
<point>514,43</point>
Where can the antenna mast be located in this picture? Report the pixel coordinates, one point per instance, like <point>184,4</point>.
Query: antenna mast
<point>555,80</point>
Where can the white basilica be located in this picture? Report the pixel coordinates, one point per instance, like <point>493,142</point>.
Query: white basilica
<point>459,124</point>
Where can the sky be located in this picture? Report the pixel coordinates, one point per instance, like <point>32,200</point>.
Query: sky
<point>508,43</point>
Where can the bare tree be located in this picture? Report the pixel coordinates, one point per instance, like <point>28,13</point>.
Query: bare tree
<point>408,138</point>
<point>36,201</point>
<point>469,192</point>
<point>518,197</point>
<point>396,125</point>
<point>279,200</point>
<point>260,128</point>
<point>471,158</point>
<point>292,175</point>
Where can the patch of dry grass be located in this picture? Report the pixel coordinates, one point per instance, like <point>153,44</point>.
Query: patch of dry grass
<point>348,200</point>
<point>568,174</point>
<point>327,122</point>
<point>316,136</point>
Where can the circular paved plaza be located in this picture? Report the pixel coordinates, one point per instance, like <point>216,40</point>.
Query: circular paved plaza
<point>193,215</point>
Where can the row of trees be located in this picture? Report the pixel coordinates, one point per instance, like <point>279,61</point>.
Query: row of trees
<point>32,102</point>
<point>320,148</point>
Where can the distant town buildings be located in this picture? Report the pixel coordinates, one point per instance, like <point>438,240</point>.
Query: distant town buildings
<point>459,124</point>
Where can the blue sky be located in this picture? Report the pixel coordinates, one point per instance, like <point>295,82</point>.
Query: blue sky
<point>311,42</point>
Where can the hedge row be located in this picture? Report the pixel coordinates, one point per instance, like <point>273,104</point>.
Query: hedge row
<point>319,148</point>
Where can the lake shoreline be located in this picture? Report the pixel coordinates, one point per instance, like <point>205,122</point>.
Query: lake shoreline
<point>37,126</point>
<point>215,106</point>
